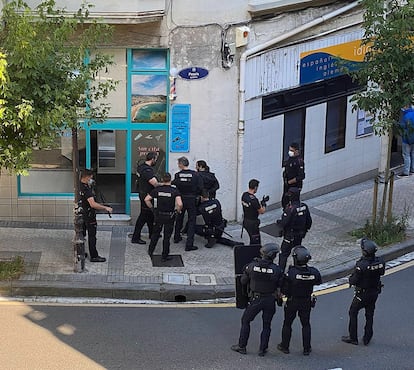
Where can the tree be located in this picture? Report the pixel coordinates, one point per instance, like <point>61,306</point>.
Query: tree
<point>387,71</point>
<point>51,61</point>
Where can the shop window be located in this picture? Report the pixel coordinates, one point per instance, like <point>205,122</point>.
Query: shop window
<point>294,130</point>
<point>144,141</point>
<point>335,124</point>
<point>51,168</point>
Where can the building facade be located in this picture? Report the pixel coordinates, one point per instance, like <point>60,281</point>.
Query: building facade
<point>232,83</point>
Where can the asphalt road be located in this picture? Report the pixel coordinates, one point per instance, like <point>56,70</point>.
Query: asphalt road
<point>38,336</point>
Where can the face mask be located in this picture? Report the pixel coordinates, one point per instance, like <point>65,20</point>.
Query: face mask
<point>91,182</point>
<point>290,153</point>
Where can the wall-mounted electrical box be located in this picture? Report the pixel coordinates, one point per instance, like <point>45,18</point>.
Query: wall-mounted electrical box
<point>242,36</point>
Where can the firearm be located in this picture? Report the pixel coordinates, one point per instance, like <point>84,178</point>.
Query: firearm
<point>264,200</point>
<point>104,203</point>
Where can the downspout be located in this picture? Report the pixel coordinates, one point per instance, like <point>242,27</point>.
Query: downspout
<point>243,59</point>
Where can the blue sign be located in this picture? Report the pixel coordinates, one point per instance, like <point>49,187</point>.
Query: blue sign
<point>193,73</point>
<point>180,128</point>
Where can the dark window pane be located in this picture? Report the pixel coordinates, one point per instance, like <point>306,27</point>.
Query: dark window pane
<point>294,130</point>
<point>335,125</point>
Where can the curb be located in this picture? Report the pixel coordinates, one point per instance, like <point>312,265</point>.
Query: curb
<point>163,292</point>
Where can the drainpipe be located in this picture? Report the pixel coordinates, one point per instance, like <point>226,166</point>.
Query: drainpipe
<point>242,84</point>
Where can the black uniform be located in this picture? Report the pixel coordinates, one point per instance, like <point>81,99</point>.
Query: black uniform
<point>298,287</point>
<point>144,173</point>
<point>214,223</point>
<point>294,168</point>
<point>89,218</point>
<point>190,184</point>
<point>164,206</point>
<point>262,278</point>
<point>366,279</point>
<point>210,183</point>
<point>296,221</point>
<point>251,220</point>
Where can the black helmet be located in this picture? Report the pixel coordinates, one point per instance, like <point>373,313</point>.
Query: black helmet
<point>368,246</point>
<point>269,251</point>
<point>300,255</point>
<point>293,193</point>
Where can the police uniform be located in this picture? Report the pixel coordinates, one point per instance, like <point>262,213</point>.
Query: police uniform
<point>164,216</point>
<point>251,220</point>
<point>295,222</point>
<point>294,167</point>
<point>214,224</point>
<point>145,173</point>
<point>367,282</point>
<point>298,286</point>
<point>210,183</point>
<point>262,278</point>
<point>190,184</point>
<point>89,218</point>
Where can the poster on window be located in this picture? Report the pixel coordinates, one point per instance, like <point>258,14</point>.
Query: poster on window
<point>149,98</point>
<point>364,123</point>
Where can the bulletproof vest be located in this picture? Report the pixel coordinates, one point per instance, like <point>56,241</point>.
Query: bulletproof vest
<point>371,268</point>
<point>164,199</point>
<point>209,180</point>
<point>145,173</point>
<point>187,182</point>
<point>211,212</point>
<point>249,210</point>
<point>302,280</point>
<point>300,213</point>
<point>292,167</point>
<point>262,276</point>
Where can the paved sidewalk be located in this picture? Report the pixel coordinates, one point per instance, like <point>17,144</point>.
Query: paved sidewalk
<point>207,273</point>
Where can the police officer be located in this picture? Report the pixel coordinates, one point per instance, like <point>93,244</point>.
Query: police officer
<point>298,286</point>
<point>366,279</point>
<point>295,222</point>
<point>214,223</point>
<point>252,208</point>
<point>90,206</point>
<point>146,182</point>
<point>189,183</point>
<point>166,201</point>
<point>210,182</point>
<point>294,172</point>
<point>262,278</point>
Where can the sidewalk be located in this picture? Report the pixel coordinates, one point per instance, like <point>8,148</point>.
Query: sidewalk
<point>207,273</point>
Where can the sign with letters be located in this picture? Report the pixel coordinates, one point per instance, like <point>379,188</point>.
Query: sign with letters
<point>180,128</point>
<point>193,73</point>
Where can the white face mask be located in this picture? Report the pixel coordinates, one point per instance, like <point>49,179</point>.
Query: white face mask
<point>290,153</point>
<point>91,182</point>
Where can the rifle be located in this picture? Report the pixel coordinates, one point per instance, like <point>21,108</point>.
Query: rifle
<point>104,202</point>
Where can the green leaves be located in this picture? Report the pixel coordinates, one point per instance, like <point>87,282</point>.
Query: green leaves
<point>388,69</point>
<point>45,74</point>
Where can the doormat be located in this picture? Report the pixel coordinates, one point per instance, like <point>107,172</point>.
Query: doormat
<point>272,229</point>
<point>175,261</point>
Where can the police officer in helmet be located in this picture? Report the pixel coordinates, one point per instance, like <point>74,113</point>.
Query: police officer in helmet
<point>295,222</point>
<point>366,279</point>
<point>298,286</point>
<point>262,278</point>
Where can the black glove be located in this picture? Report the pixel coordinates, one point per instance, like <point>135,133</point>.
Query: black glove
<point>279,301</point>
<point>313,301</point>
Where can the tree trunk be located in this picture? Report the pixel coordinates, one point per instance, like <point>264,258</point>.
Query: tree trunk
<point>385,195</point>
<point>78,240</point>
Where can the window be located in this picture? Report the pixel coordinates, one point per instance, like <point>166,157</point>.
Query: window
<point>51,168</point>
<point>335,124</point>
<point>294,131</point>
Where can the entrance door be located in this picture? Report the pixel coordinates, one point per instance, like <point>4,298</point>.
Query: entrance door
<point>108,159</point>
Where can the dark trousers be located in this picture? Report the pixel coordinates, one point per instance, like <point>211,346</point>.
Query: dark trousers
<point>168,225</point>
<point>252,228</point>
<point>268,308</point>
<point>302,307</point>
<point>145,217</point>
<point>202,230</point>
<point>90,228</point>
<point>189,206</point>
<point>289,242</point>
<point>365,300</point>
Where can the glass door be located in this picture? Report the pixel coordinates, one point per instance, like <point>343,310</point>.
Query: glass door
<point>108,159</point>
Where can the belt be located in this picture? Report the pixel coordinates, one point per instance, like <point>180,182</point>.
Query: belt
<point>260,295</point>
